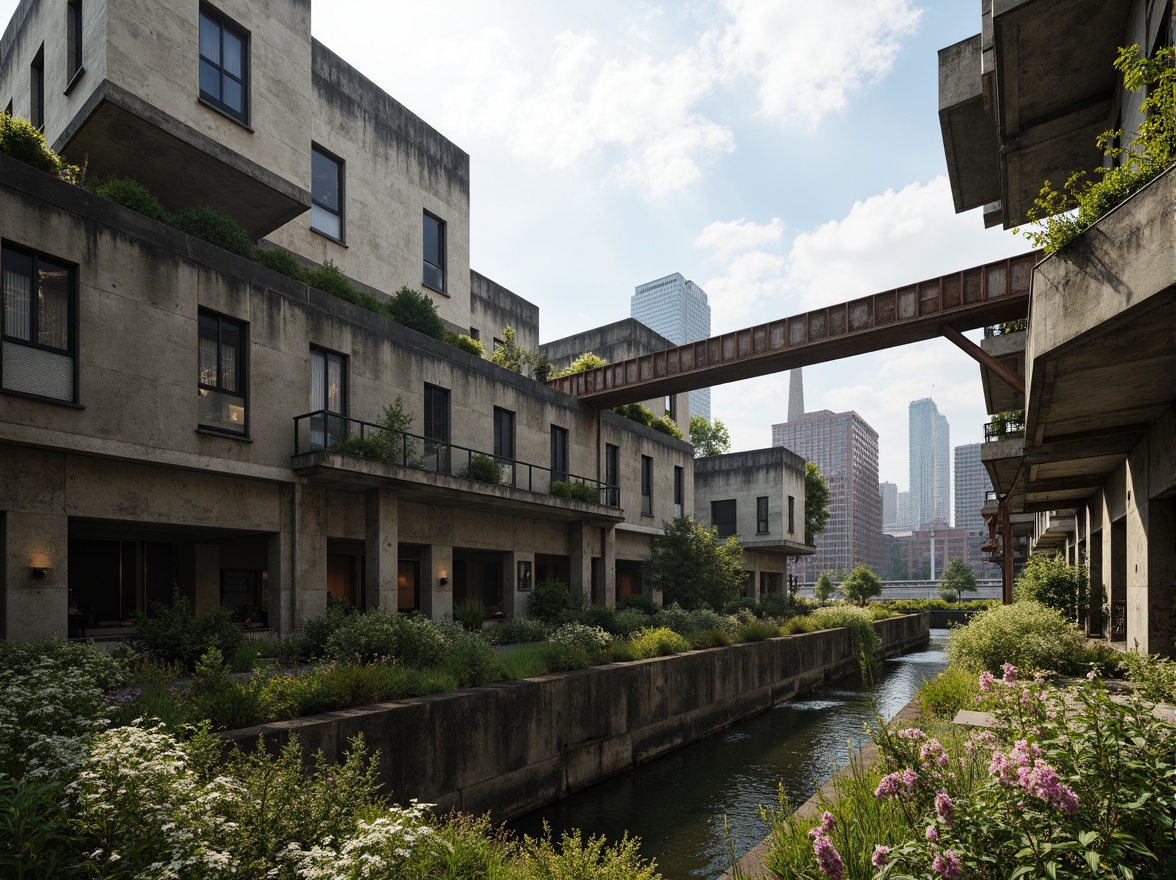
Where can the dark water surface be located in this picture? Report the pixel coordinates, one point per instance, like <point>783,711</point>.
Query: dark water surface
<point>676,803</point>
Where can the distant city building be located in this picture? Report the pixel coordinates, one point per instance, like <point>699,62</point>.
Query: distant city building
<point>923,554</point>
<point>845,448</point>
<point>889,493</point>
<point>972,484</point>
<point>930,465</point>
<point>903,523</point>
<point>679,311</point>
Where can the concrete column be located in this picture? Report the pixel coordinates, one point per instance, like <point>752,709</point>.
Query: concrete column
<point>437,598</point>
<point>206,577</point>
<point>381,536</point>
<point>310,566</point>
<point>606,572</point>
<point>1097,622</point>
<point>34,608</point>
<point>281,564</point>
<point>580,556</point>
<point>1151,574</point>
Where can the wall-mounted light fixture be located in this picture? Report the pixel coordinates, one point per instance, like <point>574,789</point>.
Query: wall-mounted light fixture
<point>524,574</point>
<point>444,580</point>
<point>39,566</point>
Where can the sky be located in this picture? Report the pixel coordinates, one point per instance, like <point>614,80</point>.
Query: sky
<point>783,155</point>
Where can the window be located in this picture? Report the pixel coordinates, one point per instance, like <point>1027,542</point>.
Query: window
<point>791,514</point>
<point>436,428</point>
<point>221,382</point>
<point>504,434</point>
<point>326,194</point>
<point>646,485</point>
<point>37,330</point>
<point>612,457</point>
<point>723,517</point>
<point>672,406</point>
<point>559,453</point>
<point>328,396</point>
<point>224,65</point>
<point>761,515</point>
<point>73,37</point>
<point>37,90</point>
<point>434,233</point>
<point>679,486</point>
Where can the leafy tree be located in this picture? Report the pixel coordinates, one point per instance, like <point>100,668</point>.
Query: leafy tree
<point>823,589</point>
<point>692,567</point>
<point>816,502</point>
<point>1056,584</point>
<point>512,356</point>
<point>862,584</point>
<point>586,361</point>
<point>956,580</point>
<point>709,438</point>
<point>417,311</point>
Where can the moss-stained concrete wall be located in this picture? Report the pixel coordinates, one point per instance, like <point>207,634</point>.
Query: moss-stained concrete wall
<point>512,747</point>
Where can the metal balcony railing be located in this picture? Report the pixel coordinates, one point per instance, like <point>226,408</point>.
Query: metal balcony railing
<point>1007,327</point>
<point>1004,425</point>
<point>326,431</point>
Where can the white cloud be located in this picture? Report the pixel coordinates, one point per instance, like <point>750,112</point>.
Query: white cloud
<point>723,238</point>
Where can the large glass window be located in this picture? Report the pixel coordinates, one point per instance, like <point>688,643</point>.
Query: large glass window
<point>326,194</point>
<point>723,517</point>
<point>647,485</point>
<point>37,327</point>
<point>559,453</point>
<point>761,515</point>
<point>73,36</point>
<point>436,428</point>
<point>221,383</point>
<point>791,514</point>
<point>504,435</point>
<point>612,471</point>
<point>679,489</point>
<point>224,64</point>
<point>37,90</point>
<point>328,396</point>
<point>434,264</point>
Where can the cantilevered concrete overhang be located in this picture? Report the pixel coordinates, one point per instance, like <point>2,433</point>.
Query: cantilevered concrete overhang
<point>968,127</point>
<point>1002,459</point>
<point>1053,88</point>
<point>1101,354</point>
<point>333,470</point>
<point>776,547</point>
<point>118,133</point>
<point>1008,349</point>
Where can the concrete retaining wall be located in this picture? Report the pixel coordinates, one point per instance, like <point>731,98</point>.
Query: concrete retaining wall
<point>512,747</point>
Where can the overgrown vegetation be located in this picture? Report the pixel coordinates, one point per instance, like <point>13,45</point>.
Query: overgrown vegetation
<point>586,361</point>
<point>816,502</point>
<point>643,415</point>
<point>575,490</point>
<point>1063,214</point>
<point>709,438</point>
<point>861,585</point>
<point>484,469</point>
<point>176,635</point>
<point>692,567</point>
<point>1056,584</point>
<point>956,580</point>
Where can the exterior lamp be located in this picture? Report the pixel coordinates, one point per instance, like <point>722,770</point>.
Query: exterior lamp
<point>39,566</point>
<point>444,580</point>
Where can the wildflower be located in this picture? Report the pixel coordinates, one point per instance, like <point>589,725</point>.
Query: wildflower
<point>945,808</point>
<point>909,778</point>
<point>1091,676</point>
<point>827,823</point>
<point>911,733</point>
<point>932,750</point>
<point>931,834</point>
<point>894,784</point>
<point>947,865</point>
<point>828,859</point>
<point>881,856</point>
<point>986,679</point>
<point>1010,673</point>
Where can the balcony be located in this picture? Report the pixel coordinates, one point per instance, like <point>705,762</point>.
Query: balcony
<point>1006,343</point>
<point>1005,425</point>
<point>344,453</point>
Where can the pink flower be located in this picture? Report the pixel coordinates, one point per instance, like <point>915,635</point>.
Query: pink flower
<point>932,750</point>
<point>828,859</point>
<point>947,865</point>
<point>909,778</point>
<point>894,784</point>
<point>881,856</point>
<point>931,833</point>
<point>911,733</point>
<point>1010,673</point>
<point>945,808</point>
<point>827,823</point>
<point>1091,676</point>
<point>986,679</point>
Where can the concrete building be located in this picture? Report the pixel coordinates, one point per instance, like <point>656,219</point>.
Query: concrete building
<point>972,487</point>
<point>757,496</point>
<point>904,521</point>
<point>118,484</point>
<point>677,309</point>
<point>1092,462</point>
<point>889,493</point>
<point>845,449</point>
<point>930,464</point>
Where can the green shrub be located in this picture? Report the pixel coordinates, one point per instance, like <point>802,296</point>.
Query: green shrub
<point>710,638</point>
<point>130,194</point>
<point>1154,678</point>
<point>576,491</point>
<point>524,662</point>
<point>1056,584</point>
<point>590,640</point>
<point>466,343</point>
<point>368,445</point>
<point>586,361</point>
<point>657,642</point>
<point>316,631</point>
<point>563,658</point>
<point>666,425</point>
<point>215,227</point>
<point>640,601</point>
<point>757,631</point>
<point>620,651</point>
<point>484,469</point>
<point>951,690</point>
<point>516,630</point>
<point>635,412</point>
<point>774,605</point>
<point>599,616</point>
<point>553,603</point>
<point>471,661</point>
<point>36,842</point>
<point>628,620</point>
<point>1025,634</point>
<point>176,634</point>
<point>280,260</point>
<point>859,622</point>
<point>577,859</point>
<point>417,311</point>
<point>329,279</point>
<point>409,639</point>
<point>20,140</point>
<point>470,614</point>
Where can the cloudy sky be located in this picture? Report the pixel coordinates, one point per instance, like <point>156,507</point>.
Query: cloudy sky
<point>781,154</point>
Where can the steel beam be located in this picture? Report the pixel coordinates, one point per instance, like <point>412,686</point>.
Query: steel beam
<point>976,297</point>
<point>1011,377</point>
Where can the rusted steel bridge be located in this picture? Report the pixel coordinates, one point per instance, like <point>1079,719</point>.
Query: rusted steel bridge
<point>944,306</point>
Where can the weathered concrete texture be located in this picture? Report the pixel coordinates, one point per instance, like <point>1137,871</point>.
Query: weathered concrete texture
<point>512,747</point>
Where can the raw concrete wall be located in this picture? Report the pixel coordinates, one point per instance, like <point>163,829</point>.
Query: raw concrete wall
<point>512,747</point>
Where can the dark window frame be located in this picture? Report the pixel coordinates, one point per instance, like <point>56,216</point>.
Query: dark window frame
<point>441,254</point>
<point>71,350</point>
<point>344,368</point>
<point>243,369</point>
<point>612,475</point>
<point>791,514</point>
<point>761,515</point>
<point>726,525</point>
<point>341,188</point>
<point>505,448</point>
<point>37,90</point>
<point>438,405</point>
<point>225,24</point>
<point>679,490</point>
<point>73,42</point>
<point>646,485</point>
<point>559,453</point>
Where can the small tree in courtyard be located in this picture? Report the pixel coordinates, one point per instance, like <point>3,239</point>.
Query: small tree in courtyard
<point>861,585</point>
<point>1056,584</point>
<point>956,580</point>
<point>692,567</point>
<point>816,502</point>
<point>709,438</point>
<point>823,589</point>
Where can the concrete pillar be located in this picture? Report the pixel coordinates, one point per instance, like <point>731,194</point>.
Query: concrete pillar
<point>34,607</point>
<point>606,570</point>
<point>381,544</point>
<point>310,530</point>
<point>1097,622</point>
<point>580,558</point>
<point>1151,573</point>
<point>206,577</point>
<point>282,552</point>
<point>436,597</point>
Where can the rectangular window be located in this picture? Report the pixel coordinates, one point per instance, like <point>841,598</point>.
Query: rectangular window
<point>37,330</point>
<point>221,384</point>
<point>436,429</point>
<point>559,453</point>
<point>37,90</point>
<point>328,397</point>
<point>646,485</point>
<point>434,265</point>
<point>791,514</point>
<point>504,434</point>
<point>679,489</point>
<point>326,193</point>
<point>761,515</point>
<point>723,517</point>
<point>224,64</point>
<point>612,475</point>
<point>73,36</point>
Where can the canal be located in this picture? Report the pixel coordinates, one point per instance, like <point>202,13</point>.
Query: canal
<point>676,804</point>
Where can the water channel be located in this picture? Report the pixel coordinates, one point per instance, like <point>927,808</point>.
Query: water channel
<point>676,803</point>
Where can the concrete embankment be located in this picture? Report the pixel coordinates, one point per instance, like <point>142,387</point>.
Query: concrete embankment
<point>512,747</point>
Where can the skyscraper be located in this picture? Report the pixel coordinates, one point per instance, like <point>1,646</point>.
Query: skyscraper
<point>889,492</point>
<point>971,485</point>
<point>930,463</point>
<point>678,310</point>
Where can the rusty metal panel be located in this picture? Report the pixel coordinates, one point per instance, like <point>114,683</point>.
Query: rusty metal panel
<point>714,352</point>
<point>730,346</point>
<point>630,372</point>
<point>759,339</point>
<point>816,326</point>
<point>861,314</point>
<point>659,364</point>
<point>885,309</point>
<point>672,360</point>
<point>995,281</point>
<point>743,343</point>
<point>778,331</point>
<point>973,286</point>
<point>950,292</point>
<point>1022,273</point>
<point>908,303</point>
<point>646,367</point>
<point>837,320</point>
<point>796,331</point>
<point>929,298</point>
<point>686,358</point>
